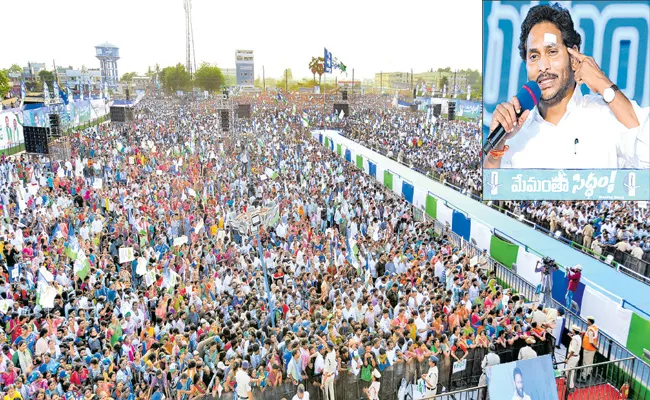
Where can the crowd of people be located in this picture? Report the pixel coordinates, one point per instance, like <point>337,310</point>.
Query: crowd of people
<point>602,227</point>
<point>446,150</point>
<point>127,273</point>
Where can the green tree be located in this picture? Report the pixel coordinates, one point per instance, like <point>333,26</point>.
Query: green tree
<point>473,76</point>
<point>4,84</point>
<point>46,76</point>
<point>209,77</point>
<point>127,77</point>
<point>15,69</point>
<point>317,66</point>
<point>443,81</point>
<point>176,78</point>
<point>447,69</point>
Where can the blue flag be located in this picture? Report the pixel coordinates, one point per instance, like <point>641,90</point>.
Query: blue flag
<point>56,90</point>
<point>328,61</point>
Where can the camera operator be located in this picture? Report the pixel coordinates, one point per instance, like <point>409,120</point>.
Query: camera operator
<point>547,267</point>
<point>573,274</point>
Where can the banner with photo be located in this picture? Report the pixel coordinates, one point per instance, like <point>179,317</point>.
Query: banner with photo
<point>468,109</point>
<point>11,129</point>
<point>36,117</point>
<point>524,379</point>
<point>568,184</point>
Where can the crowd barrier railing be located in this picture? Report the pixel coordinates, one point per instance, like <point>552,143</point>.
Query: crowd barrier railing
<point>608,348</point>
<point>606,380</point>
<point>350,387</point>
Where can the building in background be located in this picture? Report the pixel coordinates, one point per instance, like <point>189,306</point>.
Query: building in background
<point>79,79</point>
<point>244,65</point>
<point>108,54</point>
<point>32,69</point>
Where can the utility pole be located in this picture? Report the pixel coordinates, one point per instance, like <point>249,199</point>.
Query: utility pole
<point>352,80</point>
<point>263,79</point>
<point>286,80</point>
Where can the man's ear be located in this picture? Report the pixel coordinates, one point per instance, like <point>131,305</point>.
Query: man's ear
<point>574,62</point>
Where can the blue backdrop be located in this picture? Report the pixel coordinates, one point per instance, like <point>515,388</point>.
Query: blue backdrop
<point>560,286</point>
<point>461,225</point>
<point>407,191</point>
<point>348,155</point>
<point>372,168</point>
<point>615,33</point>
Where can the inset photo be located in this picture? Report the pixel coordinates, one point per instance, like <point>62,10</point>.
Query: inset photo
<point>566,92</point>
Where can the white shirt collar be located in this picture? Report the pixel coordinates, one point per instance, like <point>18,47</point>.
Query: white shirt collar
<point>575,102</point>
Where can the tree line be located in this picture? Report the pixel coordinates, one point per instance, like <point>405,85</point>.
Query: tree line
<point>174,78</point>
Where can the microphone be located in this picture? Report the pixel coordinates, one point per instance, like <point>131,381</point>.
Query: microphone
<point>528,97</point>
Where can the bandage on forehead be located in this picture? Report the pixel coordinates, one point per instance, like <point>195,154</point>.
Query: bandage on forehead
<point>550,38</point>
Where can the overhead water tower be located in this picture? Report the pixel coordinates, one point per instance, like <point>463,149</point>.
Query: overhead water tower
<point>108,55</point>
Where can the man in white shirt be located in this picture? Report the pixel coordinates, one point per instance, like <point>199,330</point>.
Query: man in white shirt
<point>573,357</point>
<point>518,378</point>
<point>431,377</point>
<point>301,394</point>
<point>567,129</point>
<point>527,352</point>
<point>421,325</point>
<point>491,359</point>
<point>483,261</point>
<point>244,391</point>
<point>329,370</point>
<point>539,316</point>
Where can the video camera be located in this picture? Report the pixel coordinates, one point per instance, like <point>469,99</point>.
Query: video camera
<point>549,265</point>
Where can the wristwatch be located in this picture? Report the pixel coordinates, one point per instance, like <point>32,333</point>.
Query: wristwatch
<point>610,93</point>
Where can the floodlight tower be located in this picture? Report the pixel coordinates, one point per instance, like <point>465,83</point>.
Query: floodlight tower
<point>190,56</point>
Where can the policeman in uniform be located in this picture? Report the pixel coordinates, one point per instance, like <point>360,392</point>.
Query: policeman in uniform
<point>431,377</point>
<point>329,370</point>
<point>589,346</point>
<point>573,357</point>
